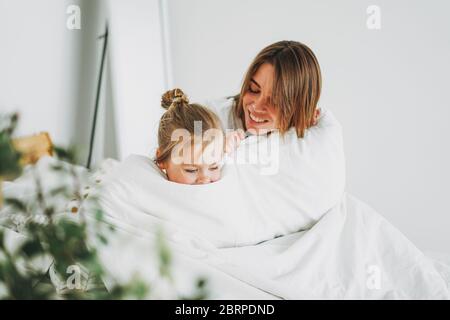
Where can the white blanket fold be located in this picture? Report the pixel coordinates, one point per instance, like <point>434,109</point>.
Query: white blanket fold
<point>350,253</point>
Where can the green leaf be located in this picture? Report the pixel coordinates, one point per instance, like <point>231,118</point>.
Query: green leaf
<point>32,247</point>
<point>17,204</point>
<point>65,154</point>
<point>9,157</point>
<point>2,240</point>
<point>59,190</point>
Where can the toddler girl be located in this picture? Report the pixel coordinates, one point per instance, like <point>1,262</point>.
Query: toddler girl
<point>191,141</point>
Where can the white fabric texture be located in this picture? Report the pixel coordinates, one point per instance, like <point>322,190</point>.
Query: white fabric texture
<point>350,253</point>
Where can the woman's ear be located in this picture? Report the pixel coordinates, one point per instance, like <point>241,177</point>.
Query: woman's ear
<point>316,117</point>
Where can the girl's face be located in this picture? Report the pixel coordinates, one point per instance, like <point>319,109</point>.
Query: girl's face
<point>259,112</point>
<point>195,169</point>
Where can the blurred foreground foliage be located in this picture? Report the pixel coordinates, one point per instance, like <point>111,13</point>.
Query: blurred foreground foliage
<point>48,236</point>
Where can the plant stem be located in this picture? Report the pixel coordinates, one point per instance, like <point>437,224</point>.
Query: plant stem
<point>1,192</point>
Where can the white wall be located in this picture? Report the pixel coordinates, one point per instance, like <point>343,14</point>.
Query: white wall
<point>49,73</point>
<point>38,58</point>
<point>389,89</point>
<point>137,73</point>
<point>134,78</point>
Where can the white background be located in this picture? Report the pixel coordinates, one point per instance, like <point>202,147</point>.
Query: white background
<point>49,72</point>
<point>389,87</point>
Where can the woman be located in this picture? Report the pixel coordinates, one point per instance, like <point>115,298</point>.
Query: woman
<point>281,90</point>
<point>280,94</point>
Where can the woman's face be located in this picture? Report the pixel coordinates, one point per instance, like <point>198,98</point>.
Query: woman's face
<point>259,112</point>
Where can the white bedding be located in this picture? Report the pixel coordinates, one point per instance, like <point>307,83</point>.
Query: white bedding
<point>350,253</point>
<point>292,235</point>
<point>333,259</point>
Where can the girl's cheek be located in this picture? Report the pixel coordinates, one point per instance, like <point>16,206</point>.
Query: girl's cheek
<point>188,178</point>
<point>217,176</point>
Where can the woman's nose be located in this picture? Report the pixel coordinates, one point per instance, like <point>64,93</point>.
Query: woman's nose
<point>258,106</point>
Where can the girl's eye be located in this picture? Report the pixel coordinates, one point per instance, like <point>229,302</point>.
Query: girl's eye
<point>191,170</point>
<point>214,168</point>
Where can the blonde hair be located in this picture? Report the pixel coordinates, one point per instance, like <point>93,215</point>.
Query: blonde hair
<point>181,114</point>
<point>296,87</point>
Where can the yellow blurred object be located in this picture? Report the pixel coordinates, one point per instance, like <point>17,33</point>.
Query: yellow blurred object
<point>32,148</point>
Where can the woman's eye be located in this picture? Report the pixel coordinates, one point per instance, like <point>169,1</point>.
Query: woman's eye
<point>214,168</point>
<point>191,170</point>
<point>255,91</point>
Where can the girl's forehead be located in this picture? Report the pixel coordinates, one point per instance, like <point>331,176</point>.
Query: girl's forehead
<point>200,153</point>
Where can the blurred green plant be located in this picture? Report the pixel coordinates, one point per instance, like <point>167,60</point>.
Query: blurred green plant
<point>49,235</point>
<point>9,157</point>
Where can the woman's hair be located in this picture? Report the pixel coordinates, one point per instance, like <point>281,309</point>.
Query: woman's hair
<point>181,114</point>
<point>296,86</point>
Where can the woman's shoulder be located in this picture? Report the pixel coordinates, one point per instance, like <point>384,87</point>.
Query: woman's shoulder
<point>220,104</point>
<point>223,108</point>
<point>326,119</point>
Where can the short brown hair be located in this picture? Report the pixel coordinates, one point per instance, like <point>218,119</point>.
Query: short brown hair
<point>296,86</point>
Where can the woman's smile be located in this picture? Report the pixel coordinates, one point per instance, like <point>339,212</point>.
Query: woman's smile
<point>257,117</point>
<point>259,112</point>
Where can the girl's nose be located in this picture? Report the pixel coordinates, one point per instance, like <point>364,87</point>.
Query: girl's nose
<point>203,179</point>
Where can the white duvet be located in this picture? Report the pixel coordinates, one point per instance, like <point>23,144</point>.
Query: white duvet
<point>290,233</point>
<point>280,192</point>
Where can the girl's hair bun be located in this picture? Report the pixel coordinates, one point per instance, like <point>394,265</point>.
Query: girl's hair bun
<point>173,97</point>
